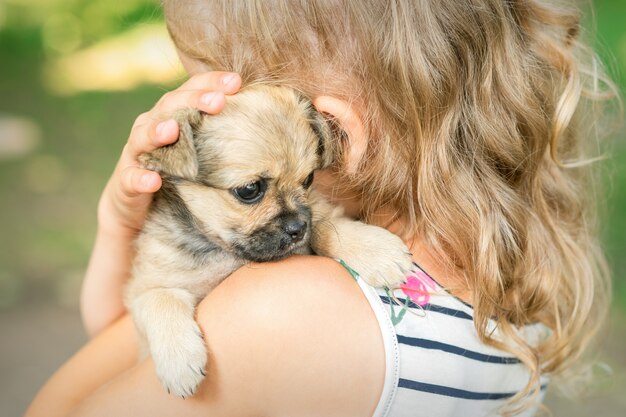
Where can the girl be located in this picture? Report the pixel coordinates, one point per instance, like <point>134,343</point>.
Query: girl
<point>461,130</point>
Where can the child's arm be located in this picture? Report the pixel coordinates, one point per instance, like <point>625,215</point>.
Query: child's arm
<point>124,203</point>
<point>300,292</point>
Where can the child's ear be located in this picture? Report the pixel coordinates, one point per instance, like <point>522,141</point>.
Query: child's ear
<point>180,159</point>
<point>350,122</point>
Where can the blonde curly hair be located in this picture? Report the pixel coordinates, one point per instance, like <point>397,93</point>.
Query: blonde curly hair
<point>476,113</point>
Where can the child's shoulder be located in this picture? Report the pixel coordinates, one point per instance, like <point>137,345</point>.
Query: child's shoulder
<point>299,322</point>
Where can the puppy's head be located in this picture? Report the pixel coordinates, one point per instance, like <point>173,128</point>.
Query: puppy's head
<point>245,174</point>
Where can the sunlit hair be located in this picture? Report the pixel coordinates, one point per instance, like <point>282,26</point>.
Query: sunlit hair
<point>482,123</point>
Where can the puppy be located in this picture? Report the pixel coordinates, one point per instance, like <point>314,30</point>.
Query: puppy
<point>237,189</point>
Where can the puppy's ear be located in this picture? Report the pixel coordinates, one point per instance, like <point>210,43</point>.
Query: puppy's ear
<point>327,148</point>
<point>180,159</point>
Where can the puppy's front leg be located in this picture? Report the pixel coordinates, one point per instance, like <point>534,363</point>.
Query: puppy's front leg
<point>380,257</point>
<point>166,317</point>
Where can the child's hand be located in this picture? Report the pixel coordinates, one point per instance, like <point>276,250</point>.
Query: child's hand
<point>126,197</point>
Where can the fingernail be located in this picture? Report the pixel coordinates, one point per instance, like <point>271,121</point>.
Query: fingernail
<point>165,129</point>
<point>228,79</point>
<point>208,98</point>
<point>147,181</point>
<point>159,129</point>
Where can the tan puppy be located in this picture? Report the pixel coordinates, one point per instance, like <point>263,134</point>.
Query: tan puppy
<point>237,189</point>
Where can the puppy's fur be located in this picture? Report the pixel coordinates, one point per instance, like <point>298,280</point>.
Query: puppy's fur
<point>236,189</point>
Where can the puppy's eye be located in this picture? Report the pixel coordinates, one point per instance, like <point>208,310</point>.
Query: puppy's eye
<point>308,181</point>
<point>250,193</point>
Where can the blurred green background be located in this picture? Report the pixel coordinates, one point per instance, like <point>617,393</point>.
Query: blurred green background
<point>74,75</point>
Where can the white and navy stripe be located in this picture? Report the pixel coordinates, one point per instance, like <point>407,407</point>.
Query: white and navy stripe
<point>437,366</point>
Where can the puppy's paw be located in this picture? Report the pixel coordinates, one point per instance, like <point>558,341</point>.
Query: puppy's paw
<point>181,360</point>
<point>381,258</point>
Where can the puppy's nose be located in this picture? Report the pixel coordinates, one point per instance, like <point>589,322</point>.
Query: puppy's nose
<point>295,229</point>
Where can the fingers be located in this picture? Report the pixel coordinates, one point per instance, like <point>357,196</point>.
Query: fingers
<point>226,82</point>
<point>205,92</point>
<point>208,101</point>
<point>135,181</point>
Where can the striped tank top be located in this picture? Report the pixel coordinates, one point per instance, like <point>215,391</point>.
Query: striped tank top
<point>436,365</point>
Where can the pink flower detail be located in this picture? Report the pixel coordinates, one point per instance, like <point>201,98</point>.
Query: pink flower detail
<point>418,287</point>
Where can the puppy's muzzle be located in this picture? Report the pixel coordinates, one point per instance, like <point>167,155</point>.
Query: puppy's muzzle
<point>277,239</point>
